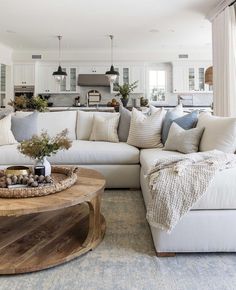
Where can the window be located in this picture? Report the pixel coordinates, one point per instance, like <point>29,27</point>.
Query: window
<point>157,85</point>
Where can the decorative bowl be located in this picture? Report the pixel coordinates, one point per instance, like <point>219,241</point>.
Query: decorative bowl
<point>17,170</point>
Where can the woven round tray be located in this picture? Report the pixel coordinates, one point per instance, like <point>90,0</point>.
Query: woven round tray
<point>63,177</point>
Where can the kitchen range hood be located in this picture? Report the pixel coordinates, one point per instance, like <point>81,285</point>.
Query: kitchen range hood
<point>93,80</point>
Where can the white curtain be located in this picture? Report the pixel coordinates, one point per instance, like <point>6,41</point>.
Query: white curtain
<point>224,62</point>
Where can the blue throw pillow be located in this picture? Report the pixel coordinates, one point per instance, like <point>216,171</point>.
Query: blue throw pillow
<point>188,121</point>
<point>170,116</point>
<point>23,128</point>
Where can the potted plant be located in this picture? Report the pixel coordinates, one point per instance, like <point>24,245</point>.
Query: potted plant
<point>124,91</point>
<point>21,103</point>
<point>39,147</point>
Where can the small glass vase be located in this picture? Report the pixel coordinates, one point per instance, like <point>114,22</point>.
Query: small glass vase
<point>44,162</point>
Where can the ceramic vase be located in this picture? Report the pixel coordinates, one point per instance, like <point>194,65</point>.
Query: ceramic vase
<point>44,162</point>
<point>124,101</point>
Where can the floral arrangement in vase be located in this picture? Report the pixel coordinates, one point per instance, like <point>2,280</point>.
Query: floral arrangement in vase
<point>124,91</point>
<point>39,147</point>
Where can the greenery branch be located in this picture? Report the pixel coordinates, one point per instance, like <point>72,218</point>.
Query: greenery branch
<point>40,146</point>
<point>125,89</point>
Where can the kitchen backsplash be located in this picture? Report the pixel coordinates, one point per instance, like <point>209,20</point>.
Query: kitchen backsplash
<point>67,100</point>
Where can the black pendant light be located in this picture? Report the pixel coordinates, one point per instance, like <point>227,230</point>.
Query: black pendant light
<point>112,74</point>
<point>59,75</point>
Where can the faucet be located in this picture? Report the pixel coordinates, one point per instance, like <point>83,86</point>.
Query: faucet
<point>180,99</point>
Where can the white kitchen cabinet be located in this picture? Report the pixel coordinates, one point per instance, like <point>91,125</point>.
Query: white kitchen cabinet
<point>189,77</point>
<point>46,84</point>
<point>130,74</point>
<point>124,77</point>
<point>69,84</point>
<point>24,74</point>
<point>137,73</point>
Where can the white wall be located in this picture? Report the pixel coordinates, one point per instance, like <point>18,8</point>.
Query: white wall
<point>5,54</point>
<point>104,56</point>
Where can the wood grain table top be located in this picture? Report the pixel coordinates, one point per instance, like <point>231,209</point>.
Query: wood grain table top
<point>89,183</point>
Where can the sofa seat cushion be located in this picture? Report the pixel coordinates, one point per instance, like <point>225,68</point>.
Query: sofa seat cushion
<point>81,152</point>
<point>221,192</point>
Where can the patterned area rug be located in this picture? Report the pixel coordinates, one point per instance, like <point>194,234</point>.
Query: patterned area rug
<point>126,259</point>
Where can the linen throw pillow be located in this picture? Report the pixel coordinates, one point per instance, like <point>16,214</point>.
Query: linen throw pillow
<point>219,133</point>
<point>105,129</point>
<point>23,128</point>
<point>145,131</point>
<point>85,123</point>
<point>184,141</point>
<point>170,116</point>
<point>124,124</point>
<point>6,136</point>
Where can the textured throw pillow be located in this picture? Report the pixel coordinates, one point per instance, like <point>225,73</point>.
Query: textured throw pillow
<point>170,116</point>
<point>145,131</point>
<point>85,123</point>
<point>184,141</point>
<point>23,128</point>
<point>105,129</point>
<point>219,133</point>
<point>124,124</point>
<point>6,136</point>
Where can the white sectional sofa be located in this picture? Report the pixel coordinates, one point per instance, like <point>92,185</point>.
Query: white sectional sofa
<point>208,227</point>
<point>118,162</point>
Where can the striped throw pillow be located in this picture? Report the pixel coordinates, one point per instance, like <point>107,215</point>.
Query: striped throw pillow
<point>145,131</point>
<point>105,129</point>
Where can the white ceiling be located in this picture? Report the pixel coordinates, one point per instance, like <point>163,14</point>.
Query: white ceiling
<point>84,24</point>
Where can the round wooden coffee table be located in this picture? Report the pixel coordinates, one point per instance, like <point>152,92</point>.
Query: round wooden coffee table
<point>42,232</point>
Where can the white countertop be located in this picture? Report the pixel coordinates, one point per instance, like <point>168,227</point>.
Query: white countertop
<point>90,109</point>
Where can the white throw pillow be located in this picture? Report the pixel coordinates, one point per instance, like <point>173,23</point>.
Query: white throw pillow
<point>85,123</point>
<point>219,133</point>
<point>105,129</point>
<point>145,131</point>
<point>6,135</point>
<point>184,141</point>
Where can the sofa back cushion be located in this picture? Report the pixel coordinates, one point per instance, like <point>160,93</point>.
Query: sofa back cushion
<point>85,123</point>
<point>145,131</point>
<point>219,133</point>
<point>55,122</point>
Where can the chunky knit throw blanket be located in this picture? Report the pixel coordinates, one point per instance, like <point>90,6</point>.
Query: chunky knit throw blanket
<point>179,181</point>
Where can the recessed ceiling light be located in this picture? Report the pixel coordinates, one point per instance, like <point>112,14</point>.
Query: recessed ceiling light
<point>154,30</point>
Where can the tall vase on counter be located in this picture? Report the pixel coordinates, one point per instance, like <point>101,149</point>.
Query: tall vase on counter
<point>124,91</point>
